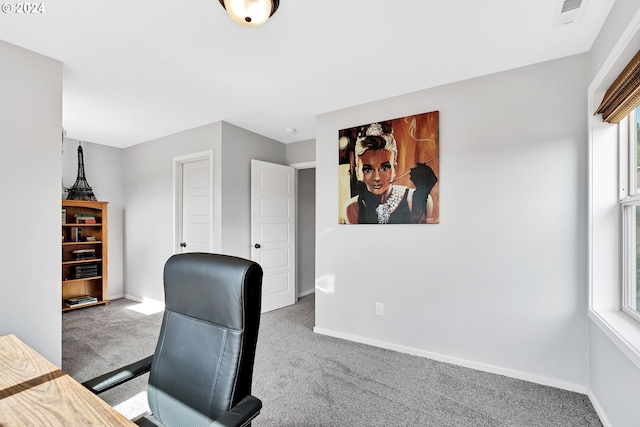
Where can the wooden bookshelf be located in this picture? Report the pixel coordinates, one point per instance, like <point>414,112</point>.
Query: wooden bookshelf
<point>82,274</point>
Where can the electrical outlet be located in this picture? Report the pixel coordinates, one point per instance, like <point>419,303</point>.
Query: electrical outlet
<point>380,309</point>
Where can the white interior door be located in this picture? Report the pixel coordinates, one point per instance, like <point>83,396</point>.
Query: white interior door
<point>196,224</point>
<point>273,231</point>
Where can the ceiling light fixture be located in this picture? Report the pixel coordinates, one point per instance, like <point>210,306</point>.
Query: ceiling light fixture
<point>250,13</point>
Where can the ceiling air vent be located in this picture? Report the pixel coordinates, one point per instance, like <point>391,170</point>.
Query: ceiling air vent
<point>569,12</point>
<point>569,5</point>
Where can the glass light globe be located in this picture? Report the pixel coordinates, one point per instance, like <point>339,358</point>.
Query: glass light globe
<point>250,13</point>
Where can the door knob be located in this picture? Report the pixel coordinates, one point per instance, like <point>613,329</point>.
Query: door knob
<point>257,246</point>
<point>183,245</point>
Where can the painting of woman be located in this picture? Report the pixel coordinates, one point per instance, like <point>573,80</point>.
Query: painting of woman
<point>378,199</point>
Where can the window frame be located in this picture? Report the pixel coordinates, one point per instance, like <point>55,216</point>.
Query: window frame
<point>629,203</point>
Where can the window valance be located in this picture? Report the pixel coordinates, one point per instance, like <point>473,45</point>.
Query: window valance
<point>623,95</point>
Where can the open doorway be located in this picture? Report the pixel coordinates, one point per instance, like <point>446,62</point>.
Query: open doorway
<point>306,228</point>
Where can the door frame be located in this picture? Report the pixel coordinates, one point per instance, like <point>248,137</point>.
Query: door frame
<point>178,165</point>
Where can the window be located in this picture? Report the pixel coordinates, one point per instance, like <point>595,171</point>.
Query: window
<point>613,307</point>
<point>630,203</point>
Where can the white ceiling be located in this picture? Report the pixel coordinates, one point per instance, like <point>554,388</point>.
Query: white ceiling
<point>138,70</point>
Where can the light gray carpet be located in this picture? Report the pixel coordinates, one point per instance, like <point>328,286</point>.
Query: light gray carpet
<point>99,339</point>
<point>306,379</point>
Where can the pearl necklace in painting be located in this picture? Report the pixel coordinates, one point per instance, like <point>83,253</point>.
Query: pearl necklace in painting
<point>384,210</point>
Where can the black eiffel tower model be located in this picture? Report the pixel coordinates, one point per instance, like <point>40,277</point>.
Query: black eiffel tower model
<point>81,190</point>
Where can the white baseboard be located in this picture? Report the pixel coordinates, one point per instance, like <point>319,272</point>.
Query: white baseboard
<point>132,298</point>
<point>596,405</point>
<point>552,382</point>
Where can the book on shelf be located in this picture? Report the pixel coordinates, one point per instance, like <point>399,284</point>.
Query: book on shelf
<point>80,254</point>
<point>64,216</point>
<point>86,267</point>
<point>85,275</point>
<point>80,300</point>
<point>85,271</point>
<point>84,251</point>
<point>85,218</point>
<point>79,304</point>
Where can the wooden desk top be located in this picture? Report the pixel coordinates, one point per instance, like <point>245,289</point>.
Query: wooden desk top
<point>35,393</point>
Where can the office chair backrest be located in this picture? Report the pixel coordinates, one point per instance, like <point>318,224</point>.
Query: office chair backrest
<point>203,363</point>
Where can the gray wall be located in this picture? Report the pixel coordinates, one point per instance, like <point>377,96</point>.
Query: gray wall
<point>301,152</point>
<point>614,381</point>
<point>500,283</point>
<point>31,134</point>
<point>619,17</point>
<point>149,208</point>
<point>148,190</point>
<point>103,168</point>
<point>306,231</point>
<point>239,147</point>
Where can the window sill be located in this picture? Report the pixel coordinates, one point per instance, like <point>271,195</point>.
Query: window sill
<point>620,329</point>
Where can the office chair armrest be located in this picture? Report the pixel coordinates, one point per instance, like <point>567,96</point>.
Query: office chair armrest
<point>119,376</point>
<point>241,414</point>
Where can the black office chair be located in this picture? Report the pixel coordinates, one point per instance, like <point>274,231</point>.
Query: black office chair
<point>202,367</point>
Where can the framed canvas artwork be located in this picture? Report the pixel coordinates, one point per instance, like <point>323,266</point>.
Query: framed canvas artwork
<point>389,172</point>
